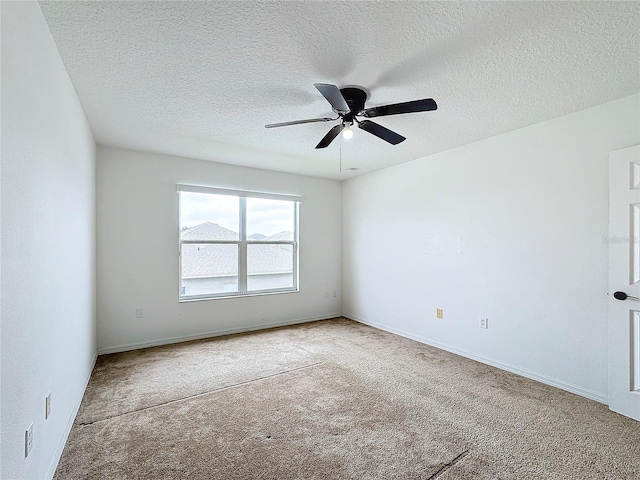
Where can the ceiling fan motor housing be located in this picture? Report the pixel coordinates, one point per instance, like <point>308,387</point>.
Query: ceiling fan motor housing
<point>355,98</point>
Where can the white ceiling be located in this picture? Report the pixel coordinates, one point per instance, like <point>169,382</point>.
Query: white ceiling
<point>201,79</point>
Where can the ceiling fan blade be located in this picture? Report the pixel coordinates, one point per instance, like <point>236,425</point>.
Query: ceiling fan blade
<point>328,138</point>
<point>424,105</point>
<point>298,122</point>
<point>381,132</point>
<point>333,96</point>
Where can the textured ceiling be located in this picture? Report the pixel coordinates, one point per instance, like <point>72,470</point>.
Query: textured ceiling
<point>201,79</point>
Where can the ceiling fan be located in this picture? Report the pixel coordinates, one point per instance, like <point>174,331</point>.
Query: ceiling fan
<point>348,103</point>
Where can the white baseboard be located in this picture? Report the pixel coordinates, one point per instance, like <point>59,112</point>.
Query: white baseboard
<point>583,392</point>
<point>63,441</point>
<point>214,333</point>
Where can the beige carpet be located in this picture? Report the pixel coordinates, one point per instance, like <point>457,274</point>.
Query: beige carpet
<point>334,400</point>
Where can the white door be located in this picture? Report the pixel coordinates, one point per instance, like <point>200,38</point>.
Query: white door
<point>624,281</point>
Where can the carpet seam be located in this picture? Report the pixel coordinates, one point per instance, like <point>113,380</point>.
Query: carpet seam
<point>201,394</point>
<point>447,466</point>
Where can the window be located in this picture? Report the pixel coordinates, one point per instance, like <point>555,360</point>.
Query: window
<point>236,243</point>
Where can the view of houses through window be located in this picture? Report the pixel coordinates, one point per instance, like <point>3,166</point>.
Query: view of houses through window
<point>232,243</point>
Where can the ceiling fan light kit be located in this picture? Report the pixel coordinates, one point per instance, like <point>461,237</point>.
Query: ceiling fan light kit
<point>348,104</point>
<point>347,132</point>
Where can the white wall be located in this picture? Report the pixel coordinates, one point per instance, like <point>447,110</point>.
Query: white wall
<point>512,228</point>
<point>137,250</point>
<point>48,255</point>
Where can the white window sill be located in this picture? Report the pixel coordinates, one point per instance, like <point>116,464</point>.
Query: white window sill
<point>236,295</point>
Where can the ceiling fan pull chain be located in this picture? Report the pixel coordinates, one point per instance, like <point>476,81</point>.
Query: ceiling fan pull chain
<point>340,156</point>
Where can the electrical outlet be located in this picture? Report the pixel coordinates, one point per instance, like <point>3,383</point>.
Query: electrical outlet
<point>484,323</point>
<point>439,313</point>
<point>138,313</point>
<point>335,293</point>
<point>47,406</point>
<point>28,440</point>
<point>326,294</point>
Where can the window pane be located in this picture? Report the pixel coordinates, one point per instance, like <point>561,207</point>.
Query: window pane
<point>269,267</point>
<point>208,268</point>
<point>270,220</point>
<point>204,216</point>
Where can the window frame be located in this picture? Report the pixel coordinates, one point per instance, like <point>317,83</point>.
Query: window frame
<point>241,243</point>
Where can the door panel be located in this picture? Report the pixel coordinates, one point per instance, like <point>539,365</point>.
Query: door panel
<point>624,276</point>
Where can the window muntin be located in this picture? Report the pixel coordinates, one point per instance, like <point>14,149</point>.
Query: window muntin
<point>223,250</point>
